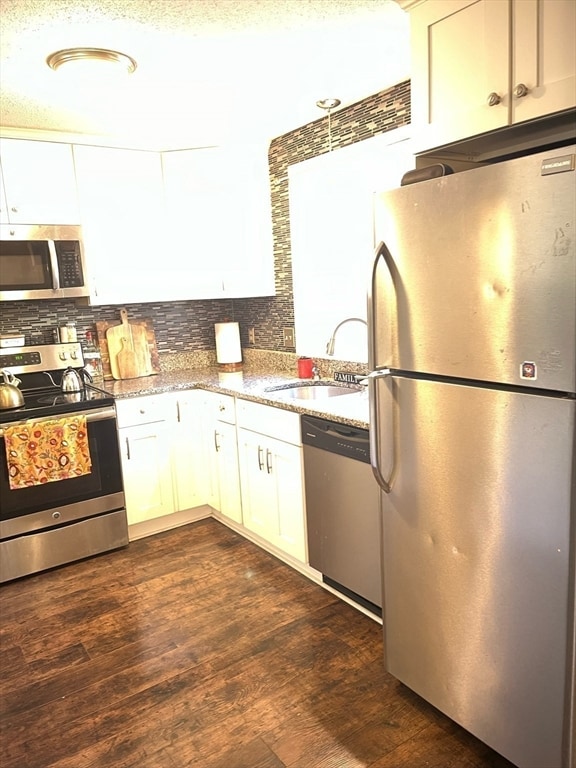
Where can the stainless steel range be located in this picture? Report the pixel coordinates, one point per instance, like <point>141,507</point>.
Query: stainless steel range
<point>46,519</point>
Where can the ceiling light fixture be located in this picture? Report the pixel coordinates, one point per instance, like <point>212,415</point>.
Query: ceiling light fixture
<point>57,59</point>
<point>328,105</point>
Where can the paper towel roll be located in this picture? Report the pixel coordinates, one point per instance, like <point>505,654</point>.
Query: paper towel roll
<point>228,349</point>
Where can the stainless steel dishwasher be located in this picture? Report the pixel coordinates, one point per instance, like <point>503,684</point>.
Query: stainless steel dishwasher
<point>343,509</point>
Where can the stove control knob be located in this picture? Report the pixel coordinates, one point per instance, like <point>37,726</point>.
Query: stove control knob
<point>73,355</point>
<point>62,355</point>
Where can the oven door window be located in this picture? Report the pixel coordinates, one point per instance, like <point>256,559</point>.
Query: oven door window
<point>105,477</point>
<point>25,265</point>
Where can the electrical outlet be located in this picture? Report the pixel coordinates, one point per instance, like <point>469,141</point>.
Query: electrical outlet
<point>251,336</point>
<point>288,337</point>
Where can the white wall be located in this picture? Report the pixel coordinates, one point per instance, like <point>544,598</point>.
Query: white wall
<point>331,231</point>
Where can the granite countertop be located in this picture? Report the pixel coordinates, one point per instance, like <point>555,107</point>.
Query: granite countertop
<point>351,409</point>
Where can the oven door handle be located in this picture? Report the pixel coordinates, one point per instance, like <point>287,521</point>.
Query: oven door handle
<point>98,414</point>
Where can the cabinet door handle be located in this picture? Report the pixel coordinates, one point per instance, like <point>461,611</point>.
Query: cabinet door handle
<point>178,419</point>
<point>128,448</point>
<point>493,99</point>
<point>260,461</point>
<point>216,445</point>
<point>268,461</point>
<point>520,91</point>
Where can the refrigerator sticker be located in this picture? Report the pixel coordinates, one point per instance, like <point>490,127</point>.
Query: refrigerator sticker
<point>528,371</point>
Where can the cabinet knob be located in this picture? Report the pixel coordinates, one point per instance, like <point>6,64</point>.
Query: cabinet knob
<point>14,209</point>
<point>520,91</point>
<point>221,407</point>
<point>493,99</point>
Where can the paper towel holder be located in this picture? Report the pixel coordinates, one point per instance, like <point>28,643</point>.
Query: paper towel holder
<point>228,347</point>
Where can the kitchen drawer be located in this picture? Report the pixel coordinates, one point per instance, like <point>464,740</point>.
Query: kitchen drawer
<point>268,420</point>
<point>142,410</point>
<point>224,407</point>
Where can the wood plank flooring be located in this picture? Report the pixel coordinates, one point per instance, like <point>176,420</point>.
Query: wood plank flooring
<point>196,648</point>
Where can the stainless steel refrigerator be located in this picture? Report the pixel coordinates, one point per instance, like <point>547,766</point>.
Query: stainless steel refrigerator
<point>472,344</point>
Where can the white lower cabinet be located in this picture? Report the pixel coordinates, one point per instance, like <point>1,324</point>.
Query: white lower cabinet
<point>187,449</point>
<point>221,455</point>
<point>145,446</point>
<point>189,476</point>
<point>271,476</point>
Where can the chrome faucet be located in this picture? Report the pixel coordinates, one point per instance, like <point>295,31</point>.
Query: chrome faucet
<point>330,345</point>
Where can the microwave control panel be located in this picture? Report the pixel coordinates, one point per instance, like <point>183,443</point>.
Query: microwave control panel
<point>69,263</point>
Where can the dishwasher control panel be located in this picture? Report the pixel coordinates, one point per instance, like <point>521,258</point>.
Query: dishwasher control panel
<point>341,439</point>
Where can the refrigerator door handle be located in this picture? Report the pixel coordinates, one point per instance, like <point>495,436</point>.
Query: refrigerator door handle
<point>386,485</point>
<point>380,252</point>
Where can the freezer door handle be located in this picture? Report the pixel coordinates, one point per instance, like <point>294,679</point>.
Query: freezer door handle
<point>375,447</point>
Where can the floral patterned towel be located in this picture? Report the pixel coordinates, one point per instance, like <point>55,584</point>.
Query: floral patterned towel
<point>41,452</point>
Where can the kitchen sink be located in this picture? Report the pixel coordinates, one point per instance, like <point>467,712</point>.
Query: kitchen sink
<point>318,390</point>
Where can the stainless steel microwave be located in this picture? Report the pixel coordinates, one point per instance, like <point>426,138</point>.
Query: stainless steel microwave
<point>41,262</point>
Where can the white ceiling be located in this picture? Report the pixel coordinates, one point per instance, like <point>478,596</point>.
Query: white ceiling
<point>209,71</point>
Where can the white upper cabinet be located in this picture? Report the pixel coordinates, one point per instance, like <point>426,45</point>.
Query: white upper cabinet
<point>195,217</point>
<point>190,224</point>
<point>121,204</point>
<point>479,65</point>
<point>543,58</point>
<point>38,184</point>
<point>247,234</point>
<point>219,218</point>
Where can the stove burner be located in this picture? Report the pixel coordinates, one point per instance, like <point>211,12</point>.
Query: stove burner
<point>13,410</point>
<point>42,404</point>
<point>63,397</point>
<point>41,370</point>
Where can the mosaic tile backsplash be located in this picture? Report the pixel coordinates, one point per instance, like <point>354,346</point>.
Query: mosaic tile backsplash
<point>188,326</point>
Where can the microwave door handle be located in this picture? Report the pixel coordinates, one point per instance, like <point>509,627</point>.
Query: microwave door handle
<point>54,265</point>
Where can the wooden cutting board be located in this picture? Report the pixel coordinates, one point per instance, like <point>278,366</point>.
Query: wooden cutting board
<point>146,323</point>
<point>128,349</point>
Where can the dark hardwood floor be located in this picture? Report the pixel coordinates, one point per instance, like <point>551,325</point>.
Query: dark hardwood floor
<point>196,648</point>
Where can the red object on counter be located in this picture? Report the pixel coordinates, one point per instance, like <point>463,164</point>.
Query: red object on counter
<point>305,367</point>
